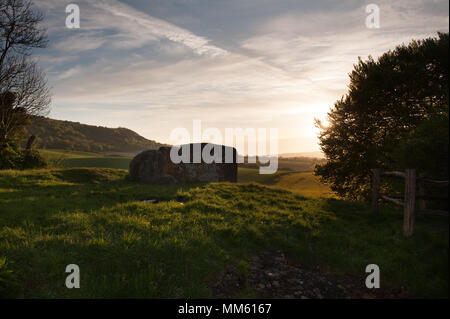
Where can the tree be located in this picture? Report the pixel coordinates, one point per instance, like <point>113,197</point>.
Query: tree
<point>387,100</point>
<point>426,148</point>
<point>23,86</point>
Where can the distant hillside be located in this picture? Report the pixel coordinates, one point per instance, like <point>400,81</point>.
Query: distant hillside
<point>303,154</point>
<point>68,135</point>
<point>299,164</point>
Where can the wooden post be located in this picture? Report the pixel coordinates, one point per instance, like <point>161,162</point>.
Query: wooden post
<point>410,197</point>
<point>422,202</point>
<point>375,189</point>
<point>30,142</point>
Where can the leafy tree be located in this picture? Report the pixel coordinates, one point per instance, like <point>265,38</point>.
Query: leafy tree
<point>388,99</point>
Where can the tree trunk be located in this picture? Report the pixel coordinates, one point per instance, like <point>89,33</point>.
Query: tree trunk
<point>30,142</point>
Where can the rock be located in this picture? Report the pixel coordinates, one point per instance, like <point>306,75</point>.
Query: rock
<point>146,166</point>
<point>156,166</point>
<point>317,293</point>
<point>167,179</point>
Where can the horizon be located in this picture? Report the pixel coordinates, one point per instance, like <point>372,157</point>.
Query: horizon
<point>153,66</point>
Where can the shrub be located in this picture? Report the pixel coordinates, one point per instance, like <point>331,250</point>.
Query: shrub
<point>32,159</point>
<point>11,158</point>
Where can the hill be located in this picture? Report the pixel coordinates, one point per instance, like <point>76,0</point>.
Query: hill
<point>57,134</point>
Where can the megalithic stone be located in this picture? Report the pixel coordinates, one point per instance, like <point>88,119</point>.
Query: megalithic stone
<point>218,164</point>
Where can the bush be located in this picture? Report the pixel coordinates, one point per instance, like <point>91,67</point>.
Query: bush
<point>9,158</point>
<point>32,159</point>
<point>22,159</point>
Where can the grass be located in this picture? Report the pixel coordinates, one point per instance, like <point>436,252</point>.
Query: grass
<point>304,183</point>
<point>94,218</point>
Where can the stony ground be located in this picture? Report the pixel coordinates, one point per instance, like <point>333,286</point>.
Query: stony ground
<point>271,275</point>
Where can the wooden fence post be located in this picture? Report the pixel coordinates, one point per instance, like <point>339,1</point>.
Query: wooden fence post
<point>422,201</point>
<point>410,197</point>
<point>375,189</point>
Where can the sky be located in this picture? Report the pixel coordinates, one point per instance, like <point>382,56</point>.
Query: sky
<point>156,65</point>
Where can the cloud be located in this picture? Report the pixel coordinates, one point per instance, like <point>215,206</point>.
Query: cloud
<point>70,73</point>
<point>303,43</point>
<point>82,41</point>
<point>145,24</point>
<point>115,25</point>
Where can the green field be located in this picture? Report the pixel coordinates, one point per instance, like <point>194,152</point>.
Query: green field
<point>304,183</point>
<point>70,159</point>
<point>94,218</point>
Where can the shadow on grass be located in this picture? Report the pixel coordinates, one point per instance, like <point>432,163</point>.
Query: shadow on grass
<point>75,190</point>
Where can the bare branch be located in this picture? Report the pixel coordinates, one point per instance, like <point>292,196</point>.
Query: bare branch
<point>23,86</point>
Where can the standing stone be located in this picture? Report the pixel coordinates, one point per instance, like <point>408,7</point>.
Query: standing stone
<point>156,166</point>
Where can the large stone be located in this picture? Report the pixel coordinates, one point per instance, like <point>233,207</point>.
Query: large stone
<point>157,167</point>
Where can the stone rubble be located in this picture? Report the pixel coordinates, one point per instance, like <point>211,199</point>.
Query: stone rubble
<point>270,275</point>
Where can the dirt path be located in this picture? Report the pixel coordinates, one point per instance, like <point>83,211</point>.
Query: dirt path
<point>270,275</point>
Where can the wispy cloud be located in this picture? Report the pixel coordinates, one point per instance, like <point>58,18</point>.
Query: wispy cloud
<point>141,25</point>
<point>117,25</point>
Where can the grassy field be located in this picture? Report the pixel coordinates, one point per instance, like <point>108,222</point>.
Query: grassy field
<point>304,183</point>
<point>94,218</point>
<point>69,159</point>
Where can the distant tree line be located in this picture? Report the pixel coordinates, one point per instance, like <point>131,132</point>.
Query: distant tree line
<point>69,135</point>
